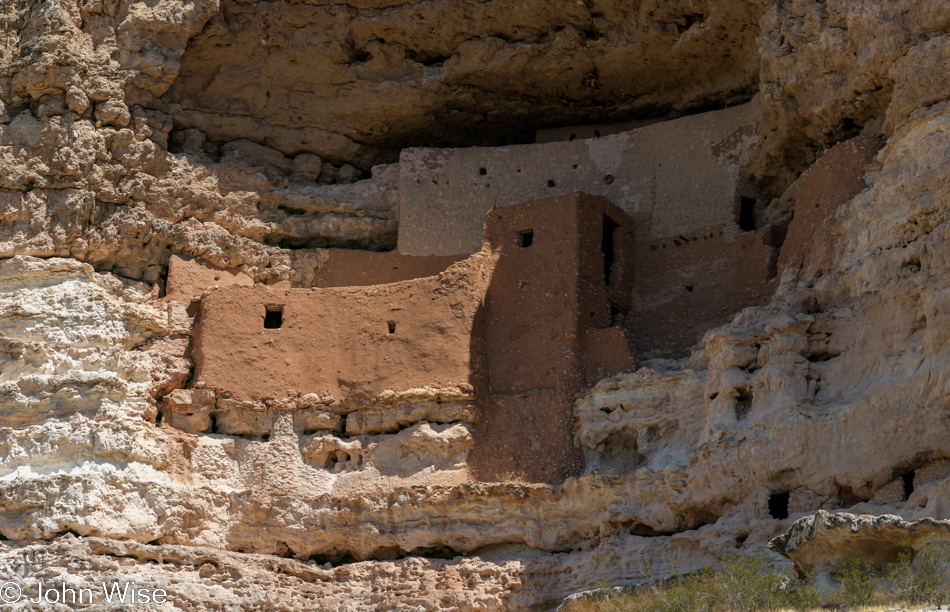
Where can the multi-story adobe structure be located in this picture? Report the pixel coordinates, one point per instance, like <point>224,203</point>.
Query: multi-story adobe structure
<point>562,292</point>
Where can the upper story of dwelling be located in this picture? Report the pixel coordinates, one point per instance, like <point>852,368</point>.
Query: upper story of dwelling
<point>696,257</point>
<point>675,178</point>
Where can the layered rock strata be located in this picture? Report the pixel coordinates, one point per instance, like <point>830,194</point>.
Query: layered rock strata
<point>129,134</point>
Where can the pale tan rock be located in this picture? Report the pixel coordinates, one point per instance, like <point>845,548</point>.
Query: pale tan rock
<point>248,581</point>
<point>833,393</point>
<point>254,155</point>
<point>823,545</point>
<point>332,453</point>
<point>347,173</point>
<point>76,100</point>
<point>113,112</point>
<point>189,409</point>
<point>392,418</point>
<point>864,50</point>
<point>307,167</point>
<point>74,339</point>
<point>456,74</point>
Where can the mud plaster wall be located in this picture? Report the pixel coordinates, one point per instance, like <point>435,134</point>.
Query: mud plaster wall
<point>680,181</point>
<point>545,306</point>
<point>188,278</point>
<point>689,284</point>
<point>527,436</point>
<point>832,181</point>
<point>516,321</point>
<point>356,268</point>
<point>352,343</point>
<point>544,297</point>
<point>684,175</point>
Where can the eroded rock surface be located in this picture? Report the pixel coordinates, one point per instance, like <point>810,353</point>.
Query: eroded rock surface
<point>823,545</point>
<point>241,136</point>
<point>390,75</point>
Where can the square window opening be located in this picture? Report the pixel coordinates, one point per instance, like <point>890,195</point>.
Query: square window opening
<point>273,317</point>
<point>525,239</point>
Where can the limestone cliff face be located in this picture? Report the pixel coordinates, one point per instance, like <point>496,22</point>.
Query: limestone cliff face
<point>244,134</point>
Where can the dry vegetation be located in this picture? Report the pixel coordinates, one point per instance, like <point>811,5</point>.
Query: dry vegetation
<point>743,583</point>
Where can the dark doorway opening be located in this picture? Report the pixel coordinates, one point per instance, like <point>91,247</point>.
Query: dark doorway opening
<point>525,239</point>
<point>607,247</point>
<point>908,478</point>
<point>746,214</point>
<point>778,505</point>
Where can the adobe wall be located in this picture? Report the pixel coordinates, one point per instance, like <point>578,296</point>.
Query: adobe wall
<point>831,182</point>
<point>547,329</point>
<point>680,176</point>
<point>352,343</point>
<point>544,297</point>
<point>688,285</point>
<point>356,268</point>
<point>532,327</point>
<point>527,435</point>
<point>188,278</point>
<point>608,352</point>
<point>525,324</point>
<point>591,130</point>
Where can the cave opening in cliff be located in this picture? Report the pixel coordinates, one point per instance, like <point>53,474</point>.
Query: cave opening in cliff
<point>778,505</point>
<point>334,558</point>
<point>273,317</point>
<point>743,402</point>
<point>908,480</point>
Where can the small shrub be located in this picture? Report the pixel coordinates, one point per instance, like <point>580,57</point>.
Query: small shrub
<point>745,583</point>
<point>805,596</point>
<point>919,579</point>
<point>688,593</point>
<point>901,577</point>
<point>612,601</point>
<point>858,582</point>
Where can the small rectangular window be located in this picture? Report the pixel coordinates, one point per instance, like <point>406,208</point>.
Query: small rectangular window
<point>392,327</point>
<point>273,317</point>
<point>608,245</point>
<point>525,238</point>
<point>746,214</point>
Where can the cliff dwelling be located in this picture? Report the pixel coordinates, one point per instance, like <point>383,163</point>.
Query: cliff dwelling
<point>561,292</point>
<point>503,305</point>
<point>514,330</point>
